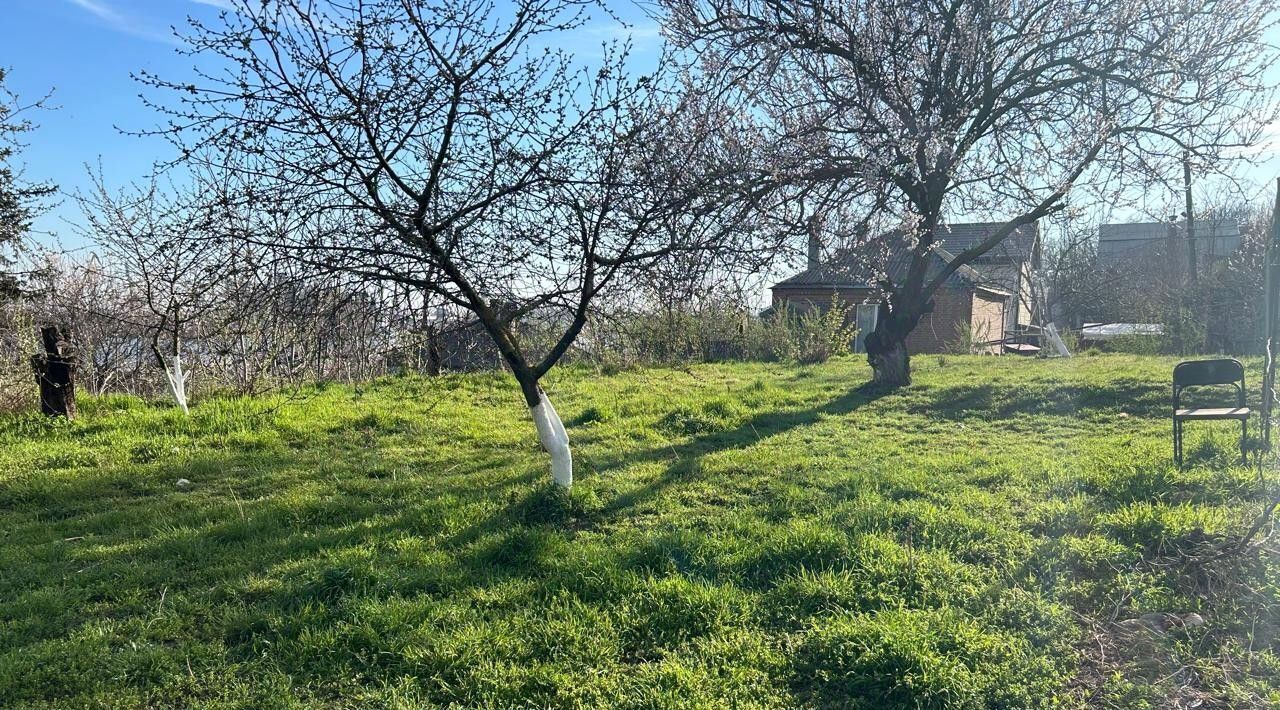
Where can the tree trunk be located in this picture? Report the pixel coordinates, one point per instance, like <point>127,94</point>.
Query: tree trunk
<point>173,372</point>
<point>433,351</point>
<point>887,345</point>
<point>177,381</point>
<point>551,432</point>
<point>890,364</point>
<point>55,372</point>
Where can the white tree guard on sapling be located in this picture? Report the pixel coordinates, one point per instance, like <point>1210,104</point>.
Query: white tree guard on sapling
<point>177,380</point>
<point>554,439</point>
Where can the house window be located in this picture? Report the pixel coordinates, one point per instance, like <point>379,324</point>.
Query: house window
<point>866,315</point>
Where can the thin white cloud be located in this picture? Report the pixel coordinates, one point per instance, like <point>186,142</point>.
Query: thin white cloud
<point>220,4</point>
<point>113,19</point>
<point>99,10</point>
<point>1265,149</point>
<point>645,32</point>
<point>645,38</point>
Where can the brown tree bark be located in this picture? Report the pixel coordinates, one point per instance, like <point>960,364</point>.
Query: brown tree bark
<point>433,352</point>
<point>55,372</point>
<point>891,365</point>
<point>887,344</point>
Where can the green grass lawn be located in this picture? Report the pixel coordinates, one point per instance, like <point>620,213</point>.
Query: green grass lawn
<point>739,535</point>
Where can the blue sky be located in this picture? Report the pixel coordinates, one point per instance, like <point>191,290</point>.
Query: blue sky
<point>84,51</point>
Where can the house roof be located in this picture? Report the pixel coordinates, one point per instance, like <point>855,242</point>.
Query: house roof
<point>1220,237</point>
<point>851,269</point>
<point>1018,246</point>
<point>847,271</point>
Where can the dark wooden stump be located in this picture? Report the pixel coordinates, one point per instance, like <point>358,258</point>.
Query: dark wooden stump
<point>433,351</point>
<point>55,372</point>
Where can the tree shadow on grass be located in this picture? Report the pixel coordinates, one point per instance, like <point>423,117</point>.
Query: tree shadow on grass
<point>253,529</point>
<point>685,457</point>
<point>549,507</point>
<point>992,401</point>
<point>252,475</point>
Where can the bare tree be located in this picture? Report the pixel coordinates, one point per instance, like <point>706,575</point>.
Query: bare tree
<point>449,147</point>
<point>165,244</point>
<point>1072,285</point>
<point>1235,300</point>
<point>965,107</point>
<point>96,304</point>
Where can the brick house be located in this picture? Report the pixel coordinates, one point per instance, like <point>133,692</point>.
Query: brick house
<point>978,303</point>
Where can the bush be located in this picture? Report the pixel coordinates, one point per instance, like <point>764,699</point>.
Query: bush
<point>717,330</point>
<point>17,344</point>
<point>813,336</point>
<point>1140,344</point>
<point>711,331</point>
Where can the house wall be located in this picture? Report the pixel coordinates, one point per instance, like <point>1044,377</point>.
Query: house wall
<point>938,332</point>
<point>1025,296</point>
<point>1014,278</point>
<point>988,319</point>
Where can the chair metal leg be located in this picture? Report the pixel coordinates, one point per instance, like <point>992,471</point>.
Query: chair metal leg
<point>1177,443</point>
<point>1244,439</point>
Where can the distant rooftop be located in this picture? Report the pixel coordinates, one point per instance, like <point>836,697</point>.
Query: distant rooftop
<point>1213,237</point>
<point>852,269</point>
<point>1018,246</point>
<point>848,271</point>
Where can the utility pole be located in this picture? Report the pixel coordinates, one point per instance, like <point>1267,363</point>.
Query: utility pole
<point>1191,222</point>
<point>1192,272</point>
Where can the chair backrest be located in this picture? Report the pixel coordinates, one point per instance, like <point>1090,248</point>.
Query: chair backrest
<point>1196,373</point>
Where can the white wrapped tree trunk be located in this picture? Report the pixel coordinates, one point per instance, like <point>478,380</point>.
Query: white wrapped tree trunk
<point>554,439</point>
<point>177,381</point>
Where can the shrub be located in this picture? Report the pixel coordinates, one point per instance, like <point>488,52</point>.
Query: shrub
<point>809,337</point>
<point>970,340</point>
<point>717,329</point>
<point>1139,344</point>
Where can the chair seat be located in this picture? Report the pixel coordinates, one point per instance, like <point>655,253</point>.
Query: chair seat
<point>1212,413</point>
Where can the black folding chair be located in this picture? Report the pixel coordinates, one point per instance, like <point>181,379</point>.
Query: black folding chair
<point>1201,373</point>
